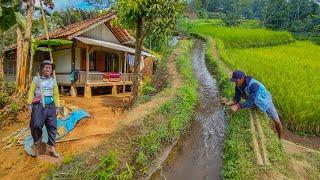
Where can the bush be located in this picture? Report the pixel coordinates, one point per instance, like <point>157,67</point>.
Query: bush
<point>4,99</point>
<point>147,87</point>
<point>231,19</point>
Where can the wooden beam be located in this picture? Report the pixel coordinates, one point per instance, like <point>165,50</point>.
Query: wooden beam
<point>125,62</point>
<point>73,57</point>
<point>87,63</point>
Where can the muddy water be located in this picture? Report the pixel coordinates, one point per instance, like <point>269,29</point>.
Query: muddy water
<point>199,155</point>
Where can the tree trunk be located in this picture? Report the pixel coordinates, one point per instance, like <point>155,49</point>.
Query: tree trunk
<point>1,58</point>
<point>25,48</point>
<point>136,79</point>
<point>18,53</point>
<point>1,65</point>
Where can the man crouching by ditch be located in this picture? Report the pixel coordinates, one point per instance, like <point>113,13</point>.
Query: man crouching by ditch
<point>43,100</point>
<point>256,95</point>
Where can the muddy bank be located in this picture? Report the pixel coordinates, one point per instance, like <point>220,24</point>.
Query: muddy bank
<point>199,155</point>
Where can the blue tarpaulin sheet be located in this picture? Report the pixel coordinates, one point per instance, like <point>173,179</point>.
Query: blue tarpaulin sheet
<point>64,126</point>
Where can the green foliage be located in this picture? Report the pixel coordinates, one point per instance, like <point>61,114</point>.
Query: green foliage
<point>231,19</point>
<point>147,87</point>
<point>291,15</point>
<point>4,99</point>
<point>10,103</point>
<point>202,14</point>
<point>109,165</point>
<point>245,38</point>
<point>238,155</point>
<point>15,107</point>
<point>158,17</point>
<point>9,8</point>
<point>179,112</point>
<point>279,68</point>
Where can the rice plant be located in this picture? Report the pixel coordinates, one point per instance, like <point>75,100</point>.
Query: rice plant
<point>292,74</point>
<point>245,37</point>
<point>290,70</point>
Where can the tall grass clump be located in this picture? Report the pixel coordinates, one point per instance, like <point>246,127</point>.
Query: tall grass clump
<point>291,73</point>
<point>245,37</point>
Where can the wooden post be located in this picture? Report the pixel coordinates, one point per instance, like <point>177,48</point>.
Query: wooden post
<point>87,64</point>
<point>73,91</point>
<point>114,90</point>
<point>87,88</point>
<point>119,63</point>
<point>125,62</point>
<point>73,57</point>
<point>87,91</point>
<point>112,63</point>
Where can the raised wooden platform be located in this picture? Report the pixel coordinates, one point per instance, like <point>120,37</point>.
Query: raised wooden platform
<point>88,86</point>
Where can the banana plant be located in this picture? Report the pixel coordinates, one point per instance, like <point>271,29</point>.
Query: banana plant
<point>38,45</point>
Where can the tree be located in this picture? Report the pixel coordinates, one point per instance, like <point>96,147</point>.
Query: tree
<point>24,42</point>
<point>8,13</point>
<point>146,17</point>
<point>25,45</point>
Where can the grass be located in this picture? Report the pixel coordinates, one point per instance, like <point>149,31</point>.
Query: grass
<point>238,155</point>
<point>286,67</point>
<point>290,72</point>
<point>178,112</point>
<point>244,37</point>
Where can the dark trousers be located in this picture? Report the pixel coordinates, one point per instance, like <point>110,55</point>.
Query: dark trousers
<point>43,116</point>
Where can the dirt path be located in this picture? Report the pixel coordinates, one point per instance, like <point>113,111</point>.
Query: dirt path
<point>107,116</point>
<point>144,109</point>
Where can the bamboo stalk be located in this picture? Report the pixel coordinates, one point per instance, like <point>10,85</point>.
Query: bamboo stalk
<point>255,142</point>
<point>45,28</point>
<point>263,140</point>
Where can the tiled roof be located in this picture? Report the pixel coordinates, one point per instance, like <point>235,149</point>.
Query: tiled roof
<point>72,30</point>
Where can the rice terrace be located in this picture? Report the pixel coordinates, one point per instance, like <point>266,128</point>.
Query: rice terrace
<point>160,89</point>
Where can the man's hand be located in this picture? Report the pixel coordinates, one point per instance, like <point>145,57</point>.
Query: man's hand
<point>224,100</point>
<point>234,108</point>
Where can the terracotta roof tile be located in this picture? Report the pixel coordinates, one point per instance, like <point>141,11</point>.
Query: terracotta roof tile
<point>68,31</point>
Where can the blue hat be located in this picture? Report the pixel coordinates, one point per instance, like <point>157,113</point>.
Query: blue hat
<point>237,75</point>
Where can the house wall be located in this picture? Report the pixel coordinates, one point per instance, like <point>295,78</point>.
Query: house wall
<point>100,61</point>
<point>101,32</point>
<point>62,59</point>
<point>77,58</point>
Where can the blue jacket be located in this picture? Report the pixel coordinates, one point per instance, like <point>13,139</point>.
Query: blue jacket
<point>255,93</point>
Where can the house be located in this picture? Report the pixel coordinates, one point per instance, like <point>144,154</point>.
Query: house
<point>99,51</point>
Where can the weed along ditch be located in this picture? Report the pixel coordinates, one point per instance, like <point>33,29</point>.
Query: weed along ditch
<point>199,154</point>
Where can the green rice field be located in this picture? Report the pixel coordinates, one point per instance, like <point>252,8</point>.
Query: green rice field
<point>289,69</point>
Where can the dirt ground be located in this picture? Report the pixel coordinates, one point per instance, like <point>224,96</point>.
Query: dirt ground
<point>105,112</point>
<point>108,113</point>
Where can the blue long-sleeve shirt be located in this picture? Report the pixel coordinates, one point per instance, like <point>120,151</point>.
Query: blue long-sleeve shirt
<point>239,92</point>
